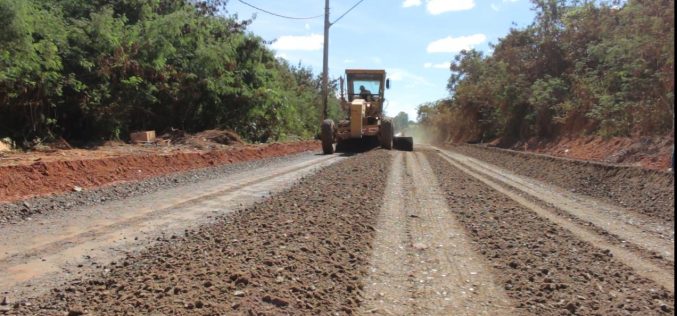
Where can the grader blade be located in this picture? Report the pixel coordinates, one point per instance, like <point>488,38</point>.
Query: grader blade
<point>403,143</point>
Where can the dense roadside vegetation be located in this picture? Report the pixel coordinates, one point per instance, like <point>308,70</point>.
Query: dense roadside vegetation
<point>581,68</point>
<point>98,69</point>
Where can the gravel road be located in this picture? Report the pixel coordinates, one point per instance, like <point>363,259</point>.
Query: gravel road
<point>432,232</point>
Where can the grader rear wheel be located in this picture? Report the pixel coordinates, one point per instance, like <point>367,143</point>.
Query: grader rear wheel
<point>403,143</point>
<point>327,136</point>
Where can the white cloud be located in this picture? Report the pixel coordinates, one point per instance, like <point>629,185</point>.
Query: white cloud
<point>307,26</point>
<point>436,7</point>
<point>410,80</point>
<point>376,60</point>
<point>396,74</point>
<point>497,7</point>
<point>455,44</point>
<point>411,3</point>
<point>291,42</point>
<point>437,66</point>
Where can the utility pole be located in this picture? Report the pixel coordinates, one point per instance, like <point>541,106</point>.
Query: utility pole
<point>325,60</point>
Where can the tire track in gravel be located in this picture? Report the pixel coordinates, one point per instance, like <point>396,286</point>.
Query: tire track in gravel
<point>614,220</point>
<point>304,251</point>
<point>387,288</point>
<point>545,268</point>
<point>646,194</point>
<point>422,263</point>
<point>645,268</point>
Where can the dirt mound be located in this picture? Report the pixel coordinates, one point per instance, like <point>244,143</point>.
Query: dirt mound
<point>208,139</point>
<point>42,177</point>
<point>226,137</point>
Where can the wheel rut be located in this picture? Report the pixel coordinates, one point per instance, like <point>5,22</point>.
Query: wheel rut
<point>422,261</point>
<point>547,263</point>
<point>602,216</point>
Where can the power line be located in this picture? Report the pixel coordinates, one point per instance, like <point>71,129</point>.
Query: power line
<point>280,15</point>
<point>344,14</point>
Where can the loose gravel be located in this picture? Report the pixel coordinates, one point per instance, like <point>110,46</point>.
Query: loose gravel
<point>543,267</point>
<point>302,252</point>
<point>56,205</point>
<point>643,191</point>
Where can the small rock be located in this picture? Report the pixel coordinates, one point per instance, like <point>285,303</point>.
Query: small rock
<point>77,188</point>
<point>238,293</point>
<point>665,308</point>
<point>5,301</point>
<point>75,312</point>
<point>275,301</point>
<point>420,246</point>
<point>571,307</point>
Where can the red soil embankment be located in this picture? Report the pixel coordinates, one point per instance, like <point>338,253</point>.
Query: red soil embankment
<point>647,152</point>
<point>44,178</point>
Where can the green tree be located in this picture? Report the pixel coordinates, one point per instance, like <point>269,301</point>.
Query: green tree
<point>401,121</point>
<point>582,67</point>
<point>90,70</point>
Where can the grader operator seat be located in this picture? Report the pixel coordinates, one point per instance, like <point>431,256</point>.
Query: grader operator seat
<point>368,85</point>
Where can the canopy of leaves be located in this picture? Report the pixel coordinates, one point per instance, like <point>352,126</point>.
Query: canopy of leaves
<point>582,67</point>
<point>91,70</point>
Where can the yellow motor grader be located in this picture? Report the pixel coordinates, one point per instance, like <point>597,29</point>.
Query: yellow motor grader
<point>365,121</point>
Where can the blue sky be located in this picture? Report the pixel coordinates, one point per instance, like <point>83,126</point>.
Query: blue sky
<point>413,40</point>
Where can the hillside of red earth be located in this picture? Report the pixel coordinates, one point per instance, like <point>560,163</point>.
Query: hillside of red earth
<point>57,169</point>
<point>646,152</point>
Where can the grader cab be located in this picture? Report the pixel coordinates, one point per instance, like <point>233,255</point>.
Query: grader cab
<point>363,102</point>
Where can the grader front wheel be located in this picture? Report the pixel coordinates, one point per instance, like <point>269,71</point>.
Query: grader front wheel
<point>387,134</point>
